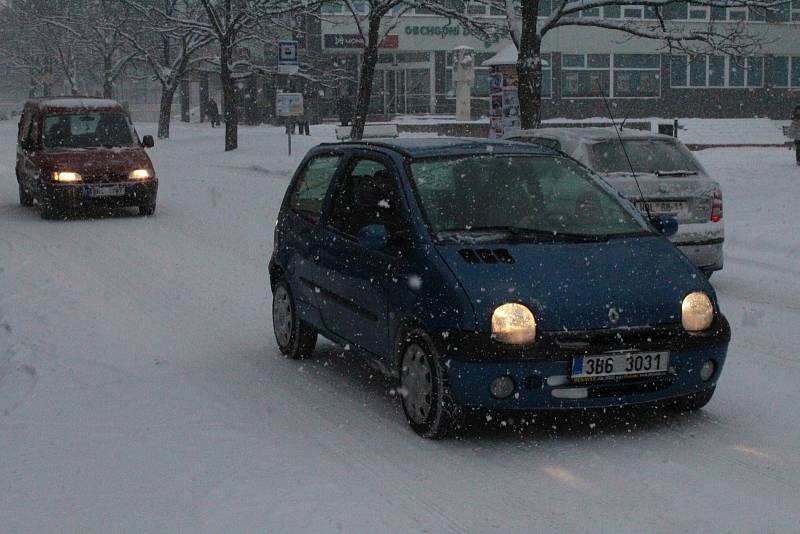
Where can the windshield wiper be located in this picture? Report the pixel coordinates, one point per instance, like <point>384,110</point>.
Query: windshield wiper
<point>524,234</point>
<point>516,232</point>
<point>675,173</point>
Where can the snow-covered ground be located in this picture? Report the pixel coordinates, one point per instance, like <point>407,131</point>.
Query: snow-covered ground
<point>141,389</point>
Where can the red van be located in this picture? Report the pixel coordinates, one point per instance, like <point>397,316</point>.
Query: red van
<point>75,152</point>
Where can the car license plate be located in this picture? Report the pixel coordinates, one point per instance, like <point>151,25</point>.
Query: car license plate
<point>98,191</point>
<point>663,208</point>
<point>621,365</point>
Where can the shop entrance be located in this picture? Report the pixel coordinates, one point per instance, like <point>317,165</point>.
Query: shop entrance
<point>403,89</point>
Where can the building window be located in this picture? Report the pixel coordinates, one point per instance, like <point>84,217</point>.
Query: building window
<point>785,71</point>
<point>637,75</point>
<point>614,76</point>
<point>632,12</point>
<point>795,10</point>
<point>698,12</point>
<point>585,75</point>
<point>700,71</point>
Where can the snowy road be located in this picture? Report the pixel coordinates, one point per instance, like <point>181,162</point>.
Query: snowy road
<point>141,389</point>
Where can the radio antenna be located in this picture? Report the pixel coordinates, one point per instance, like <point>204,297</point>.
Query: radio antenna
<point>625,151</point>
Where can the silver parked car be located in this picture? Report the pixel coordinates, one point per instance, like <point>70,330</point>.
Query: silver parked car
<point>672,181</point>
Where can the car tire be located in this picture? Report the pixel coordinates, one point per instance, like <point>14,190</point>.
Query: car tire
<point>296,339</point>
<point>25,198</point>
<point>695,401</point>
<point>147,210</point>
<point>49,211</point>
<point>426,397</point>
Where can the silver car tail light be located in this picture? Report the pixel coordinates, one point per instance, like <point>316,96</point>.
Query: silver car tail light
<point>716,206</point>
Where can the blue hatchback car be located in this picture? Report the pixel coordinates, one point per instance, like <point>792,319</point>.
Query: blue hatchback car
<point>490,275</point>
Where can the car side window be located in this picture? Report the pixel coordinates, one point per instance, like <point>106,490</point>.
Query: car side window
<point>24,125</point>
<point>32,136</point>
<point>366,195</point>
<point>312,186</point>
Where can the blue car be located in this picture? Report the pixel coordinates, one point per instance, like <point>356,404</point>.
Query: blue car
<point>490,275</point>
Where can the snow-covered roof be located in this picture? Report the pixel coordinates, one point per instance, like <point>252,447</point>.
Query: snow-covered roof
<point>506,56</point>
<point>79,102</point>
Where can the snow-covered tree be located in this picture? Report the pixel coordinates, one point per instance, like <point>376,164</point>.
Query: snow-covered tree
<point>170,50</point>
<point>230,23</point>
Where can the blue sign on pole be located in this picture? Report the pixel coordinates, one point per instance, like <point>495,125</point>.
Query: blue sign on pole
<point>288,56</point>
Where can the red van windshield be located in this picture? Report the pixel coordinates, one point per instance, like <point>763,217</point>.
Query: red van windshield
<point>87,130</point>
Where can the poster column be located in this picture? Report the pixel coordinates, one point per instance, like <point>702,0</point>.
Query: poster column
<point>504,101</point>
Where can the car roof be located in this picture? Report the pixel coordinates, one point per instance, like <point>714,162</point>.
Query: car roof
<point>427,147</point>
<point>72,103</point>
<point>588,134</point>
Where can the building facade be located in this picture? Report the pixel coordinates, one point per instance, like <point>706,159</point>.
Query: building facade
<point>583,65</point>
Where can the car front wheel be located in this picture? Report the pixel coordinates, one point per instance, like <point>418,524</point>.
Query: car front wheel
<point>296,338</point>
<point>147,209</point>
<point>25,198</point>
<point>427,401</point>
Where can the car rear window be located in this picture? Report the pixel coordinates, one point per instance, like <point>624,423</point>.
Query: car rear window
<point>646,156</point>
<point>87,130</point>
<point>312,185</point>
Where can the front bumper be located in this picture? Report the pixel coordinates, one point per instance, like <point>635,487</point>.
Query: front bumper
<point>75,196</point>
<point>542,378</point>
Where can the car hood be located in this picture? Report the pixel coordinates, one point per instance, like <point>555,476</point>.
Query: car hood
<point>625,282</point>
<point>98,161</point>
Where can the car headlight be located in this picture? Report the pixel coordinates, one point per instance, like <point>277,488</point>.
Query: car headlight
<point>140,174</point>
<point>66,176</point>
<point>697,312</point>
<point>514,324</point>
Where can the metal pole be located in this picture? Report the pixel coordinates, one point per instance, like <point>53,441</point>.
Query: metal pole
<point>289,134</point>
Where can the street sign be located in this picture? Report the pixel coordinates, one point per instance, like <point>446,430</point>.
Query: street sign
<point>289,104</point>
<point>288,57</point>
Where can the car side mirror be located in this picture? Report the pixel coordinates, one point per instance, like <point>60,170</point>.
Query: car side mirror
<point>374,237</point>
<point>148,141</point>
<point>665,224</point>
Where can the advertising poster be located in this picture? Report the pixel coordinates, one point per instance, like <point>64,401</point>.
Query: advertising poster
<point>510,102</point>
<point>289,104</point>
<point>496,106</point>
<point>495,83</point>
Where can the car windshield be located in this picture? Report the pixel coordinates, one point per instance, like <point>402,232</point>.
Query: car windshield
<point>646,156</point>
<point>87,130</point>
<point>500,197</point>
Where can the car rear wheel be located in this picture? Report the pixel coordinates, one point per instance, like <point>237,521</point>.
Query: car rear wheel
<point>296,338</point>
<point>427,401</point>
<point>146,210</point>
<point>25,198</point>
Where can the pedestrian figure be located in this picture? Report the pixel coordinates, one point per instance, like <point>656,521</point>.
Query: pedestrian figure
<point>794,133</point>
<point>213,112</point>
<point>344,108</point>
<point>304,120</point>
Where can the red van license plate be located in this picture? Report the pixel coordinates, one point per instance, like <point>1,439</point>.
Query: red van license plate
<point>98,191</point>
